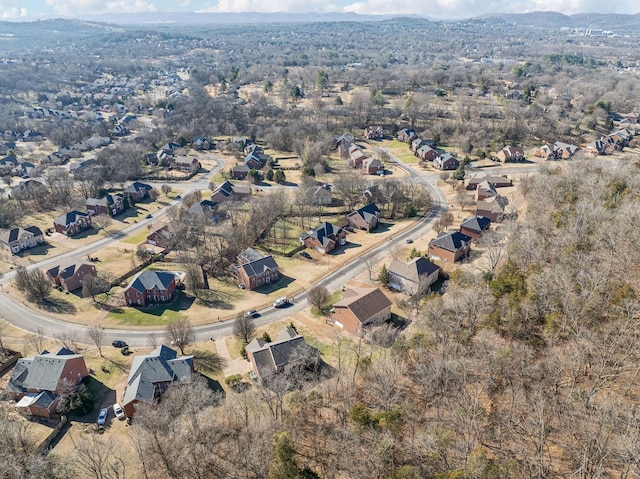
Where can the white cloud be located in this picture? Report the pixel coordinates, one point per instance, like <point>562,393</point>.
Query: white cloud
<point>71,7</point>
<point>11,9</point>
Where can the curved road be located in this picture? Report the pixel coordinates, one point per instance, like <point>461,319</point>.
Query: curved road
<point>31,320</point>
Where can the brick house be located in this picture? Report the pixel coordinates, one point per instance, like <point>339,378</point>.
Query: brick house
<point>200,143</point>
<point>322,195</point>
<point>240,172</point>
<point>183,163</point>
<point>427,153</point>
<point>356,157</point>
<point>269,359</point>
<point>18,239</point>
<point>324,238</point>
<point>72,223</point>
<point>475,226</point>
<point>511,154</point>
<point>70,275</point>
<point>492,207</point>
<point>406,135</point>
<point>365,218</point>
<point>107,205</point>
<point>152,374</point>
<point>446,162</point>
<point>414,277</point>
<point>372,166</point>
<point>360,309</point>
<point>162,237</point>
<point>373,133</point>
<point>228,191</point>
<point>485,190</point>
<point>151,287</point>
<point>36,381</point>
<point>450,246</point>
<point>472,182</point>
<point>255,269</point>
<point>138,191</point>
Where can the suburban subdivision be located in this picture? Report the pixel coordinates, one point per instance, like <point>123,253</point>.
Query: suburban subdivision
<point>320,246</point>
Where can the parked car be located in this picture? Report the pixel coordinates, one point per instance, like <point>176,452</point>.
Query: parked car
<point>149,215</point>
<point>117,410</point>
<point>119,344</point>
<point>102,417</point>
<point>252,313</point>
<point>304,254</point>
<point>281,302</point>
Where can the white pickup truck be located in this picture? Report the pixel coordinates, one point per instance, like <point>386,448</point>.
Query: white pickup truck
<point>280,302</point>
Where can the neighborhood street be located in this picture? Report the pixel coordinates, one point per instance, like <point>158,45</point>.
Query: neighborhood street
<point>30,319</point>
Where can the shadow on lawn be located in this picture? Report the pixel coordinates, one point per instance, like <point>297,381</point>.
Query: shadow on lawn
<point>208,362</point>
<point>182,302</point>
<point>59,306</point>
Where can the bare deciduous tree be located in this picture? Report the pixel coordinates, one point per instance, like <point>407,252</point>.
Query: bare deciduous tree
<point>180,333</point>
<point>244,328</point>
<point>96,334</point>
<point>36,340</point>
<point>102,222</point>
<point>99,459</point>
<point>318,296</point>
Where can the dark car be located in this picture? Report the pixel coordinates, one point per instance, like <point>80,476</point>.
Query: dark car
<point>304,254</point>
<point>148,216</point>
<point>119,344</point>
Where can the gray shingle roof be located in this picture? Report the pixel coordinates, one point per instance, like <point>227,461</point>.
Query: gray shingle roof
<point>148,280</point>
<point>364,303</point>
<point>412,270</point>
<point>253,268</point>
<point>160,366</point>
<point>40,372</point>
<point>70,217</point>
<point>476,223</point>
<point>269,356</point>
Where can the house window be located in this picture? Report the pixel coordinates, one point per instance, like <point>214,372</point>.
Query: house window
<point>162,298</point>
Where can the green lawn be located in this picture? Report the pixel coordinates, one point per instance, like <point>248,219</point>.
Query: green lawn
<point>137,238</point>
<point>161,314</point>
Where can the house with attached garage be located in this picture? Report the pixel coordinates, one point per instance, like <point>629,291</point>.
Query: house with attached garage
<point>152,374</point>
<point>72,223</point>
<point>324,238</point>
<point>492,207</point>
<point>228,191</point>
<point>107,205</point>
<point>183,163</point>
<point>414,277</point>
<point>151,287</point>
<point>240,172</point>
<point>365,218</point>
<point>451,246</point>
<point>37,381</point>
<point>162,237</point>
<point>475,226</point>
<point>446,162</point>
<point>138,191</point>
<point>255,269</point>
<point>71,274</point>
<point>270,358</point>
<point>18,239</point>
<point>360,309</point>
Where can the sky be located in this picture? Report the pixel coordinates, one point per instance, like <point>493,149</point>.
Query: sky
<point>430,8</point>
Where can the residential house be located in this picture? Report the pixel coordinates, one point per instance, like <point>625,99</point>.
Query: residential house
<point>475,226</point>
<point>325,237</point>
<point>372,166</point>
<point>72,223</point>
<point>270,358</point>
<point>152,374</point>
<point>427,153</point>
<point>183,163</point>
<point>138,191</point>
<point>356,156</point>
<point>598,147</point>
<point>322,195</point>
<point>200,143</point>
<point>497,181</point>
<point>407,135</point>
<point>24,169</point>
<point>485,190</point>
<point>36,381</point>
<point>416,143</point>
<point>511,154</point>
<point>563,151</point>
<point>240,172</point>
<point>545,151</point>
<point>151,287</point>
<point>342,143</point>
<point>71,274</point>
<point>228,191</point>
<point>514,95</point>
<point>162,237</point>
<point>107,205</point>
<point>365,218</point>
<point>360,309</point>
<point>84,169</point>
<point>373,133</point>
<point>446,162</point>
<point>253,161</point>
<point>18,239</point>
<point>8,163</point>
<point>492,207</point>
<point>450,246</point>
<point>203,211</point>
<point>414,277</point>
<point>255,269</point>
<point>152,159</point>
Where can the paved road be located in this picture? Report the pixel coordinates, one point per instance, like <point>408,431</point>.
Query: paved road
<point>31,320</point>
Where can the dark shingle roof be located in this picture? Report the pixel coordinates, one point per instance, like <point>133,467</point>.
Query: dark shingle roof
<point>476,223</point>
<point>364,302</point>
<point>148,280</point>
<point>69,217</point>
<point>269,356</point>
<point>253,268</point>
<point>451,241</point>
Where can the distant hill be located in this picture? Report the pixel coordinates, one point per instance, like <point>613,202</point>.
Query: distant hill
<point>615,22</point>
